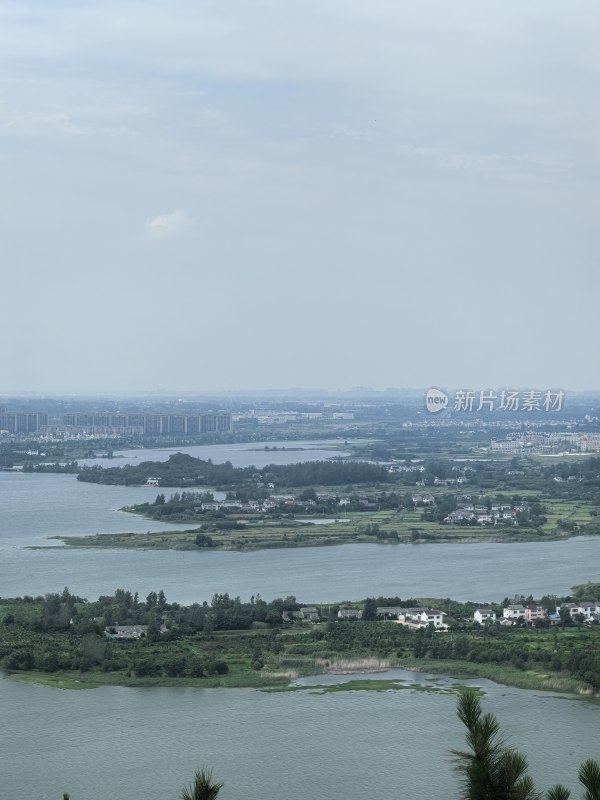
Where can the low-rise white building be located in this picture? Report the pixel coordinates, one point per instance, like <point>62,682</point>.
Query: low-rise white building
<point>349,613</point>
<point>513,612</point>
<point>482,615</point>
<point>421,617</point>
<point>310,614</point>
<point>588,609</point>
<point>126,631</point>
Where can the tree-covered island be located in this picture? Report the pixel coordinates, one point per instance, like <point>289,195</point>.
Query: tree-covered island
<point>341,501</point>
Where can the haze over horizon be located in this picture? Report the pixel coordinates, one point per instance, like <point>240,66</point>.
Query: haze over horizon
<point>227,196</point>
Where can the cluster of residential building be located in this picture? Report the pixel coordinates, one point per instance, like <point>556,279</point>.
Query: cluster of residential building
<point>268,504</point>
<point>305,614</point>
<point>414,466</point>
<point>311,614</point>
<point>423,616</point>
<point>147,424</point>
<point>423,499</point>
<point>548,443</point>
<point>531,612</point>
<point>469,513</point>
<point>418,617</point>
<point>126,632</point>
<point>263,417</point>
<point>22,422</point>
<point>114,424</point>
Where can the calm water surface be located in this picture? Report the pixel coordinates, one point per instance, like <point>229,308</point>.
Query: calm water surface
<point>240,455</point>
<point>143,744</point>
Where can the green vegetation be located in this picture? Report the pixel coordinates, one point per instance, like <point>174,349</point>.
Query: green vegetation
<point>185,470</point>
<point>360,685</point>
<point>204,787</point>
<point>70,642</point>
<point>365,520</point>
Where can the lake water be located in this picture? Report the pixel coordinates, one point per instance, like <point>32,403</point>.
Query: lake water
<point>144,744</point>
<point>257,454</point>
<point>34,507</point>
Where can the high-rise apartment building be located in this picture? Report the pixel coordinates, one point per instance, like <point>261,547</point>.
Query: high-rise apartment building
<point>151,425</point>
<point>22,422</point>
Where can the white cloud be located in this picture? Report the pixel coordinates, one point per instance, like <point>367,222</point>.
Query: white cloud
<point>167,226</point>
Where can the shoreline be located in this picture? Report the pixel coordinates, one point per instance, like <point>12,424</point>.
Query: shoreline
<point>183,541</point>
<point>456,670</point>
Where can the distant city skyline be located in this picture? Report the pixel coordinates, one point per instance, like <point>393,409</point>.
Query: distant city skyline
<point>216,197</point>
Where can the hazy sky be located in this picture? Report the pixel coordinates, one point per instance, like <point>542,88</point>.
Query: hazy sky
<point>232,194</point>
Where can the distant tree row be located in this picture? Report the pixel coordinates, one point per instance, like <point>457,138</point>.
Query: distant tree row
<point>181,469</point>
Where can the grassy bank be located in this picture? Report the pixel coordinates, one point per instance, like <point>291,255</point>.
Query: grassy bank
<point>92,680</point>
<point>500,673</point>
<point>277,682</point>
<point>399,526</point>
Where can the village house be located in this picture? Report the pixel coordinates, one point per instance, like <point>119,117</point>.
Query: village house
<point>310,614</point>
<point>572,608</point>
<point>421,617</point>
<point>533,612</point>
<point>423,499</point>
<point>480,514</point>
<point>482,615</point>
<point>513,612</point>
<point>306,614</point>
<point>587,609</point>
<point>213,505</point>
<point>459,516</point>
<point>349,613</point>
<point>300,503</point>
<point>126,631</point>
<point>389,612</point>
